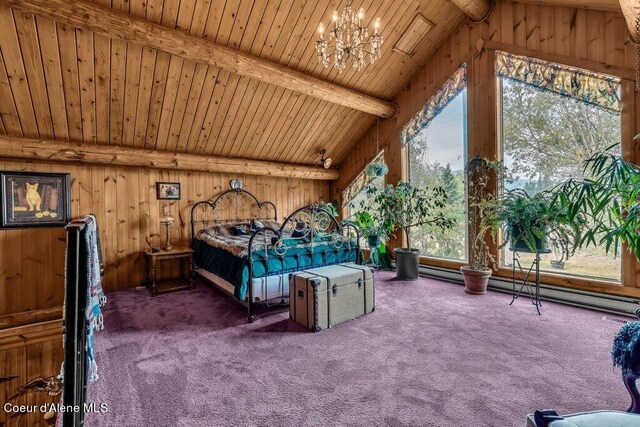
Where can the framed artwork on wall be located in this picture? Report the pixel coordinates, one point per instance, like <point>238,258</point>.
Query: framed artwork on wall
<point>34,199</point>
<point>168,190</point>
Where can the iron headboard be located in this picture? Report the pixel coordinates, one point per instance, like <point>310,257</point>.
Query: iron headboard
<point>237,205</point>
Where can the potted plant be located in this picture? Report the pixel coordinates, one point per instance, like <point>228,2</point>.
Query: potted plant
<point>476,275</point>
<point>529,222</point>
<point>404,206</point>
<point>371,228</point>
<point>564,246</point>
<point>332,207</point>
<point>625,354</point>
<point>610,197</point>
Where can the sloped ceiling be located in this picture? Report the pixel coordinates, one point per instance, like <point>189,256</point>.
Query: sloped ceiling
<point>68,84</point>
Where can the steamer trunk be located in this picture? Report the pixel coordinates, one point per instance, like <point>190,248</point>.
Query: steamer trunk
<point>326,296</point>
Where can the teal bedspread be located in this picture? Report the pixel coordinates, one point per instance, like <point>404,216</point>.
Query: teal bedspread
<point>235,269</point>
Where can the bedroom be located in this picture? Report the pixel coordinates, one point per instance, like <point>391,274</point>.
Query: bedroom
<point>142,113</point>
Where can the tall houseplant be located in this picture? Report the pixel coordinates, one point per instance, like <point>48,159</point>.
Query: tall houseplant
<point>610,197</point>
<point>478,172</point>
<point>405,206</point>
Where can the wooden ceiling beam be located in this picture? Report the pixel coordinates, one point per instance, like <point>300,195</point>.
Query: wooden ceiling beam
<point>474,9</point>
<point>120,25</point>
<point>630,10</point>
<point>91,154</point>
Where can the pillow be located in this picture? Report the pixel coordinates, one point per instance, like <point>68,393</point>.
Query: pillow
<point>255,224</point>
<point>239,230</point>
<point>301,230</point>
<point>270,223</point>
<point>299,233</point>
<point>221,230</point>
<point>224,228</point>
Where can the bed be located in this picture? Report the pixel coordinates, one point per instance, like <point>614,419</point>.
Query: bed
<point>241,249</point>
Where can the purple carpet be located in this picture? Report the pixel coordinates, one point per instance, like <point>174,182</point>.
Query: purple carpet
<point>429,355</point>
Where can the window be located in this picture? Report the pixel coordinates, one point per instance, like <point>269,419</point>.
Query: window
<point>354,195</point>
<point>546,136</point>
<point>437,155</point>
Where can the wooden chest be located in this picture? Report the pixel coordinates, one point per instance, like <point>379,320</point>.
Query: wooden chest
<point>323,297</point>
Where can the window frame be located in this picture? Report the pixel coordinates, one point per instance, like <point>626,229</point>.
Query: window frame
<point>484,141</point>
<point>592,284</point>
<point>344,205</point>
<point>443,261</point>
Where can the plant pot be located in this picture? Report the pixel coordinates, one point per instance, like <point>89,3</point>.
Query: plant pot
<point>407,263</point>
<point>518,244</point>
<point>557,264</point>
<point>373,241</point>
<point>475,281</point>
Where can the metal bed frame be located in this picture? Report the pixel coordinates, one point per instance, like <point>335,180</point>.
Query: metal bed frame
<point>239,205</point>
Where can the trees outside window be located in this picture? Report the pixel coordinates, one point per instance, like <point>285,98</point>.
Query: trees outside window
<point>437,155</point>
<point>355,195</point>
<point>546,138</point>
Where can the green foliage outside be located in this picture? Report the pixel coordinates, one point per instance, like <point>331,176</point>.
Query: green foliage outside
<point>547,139</point>
<point>447,243</point>
<point>405,206</point>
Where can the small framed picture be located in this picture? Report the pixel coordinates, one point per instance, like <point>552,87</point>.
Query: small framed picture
<point>168,190</point>
<point>34,199</point>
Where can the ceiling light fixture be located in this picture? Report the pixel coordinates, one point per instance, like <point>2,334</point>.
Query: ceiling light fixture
<point>326,163</point>
<point>350,40</point>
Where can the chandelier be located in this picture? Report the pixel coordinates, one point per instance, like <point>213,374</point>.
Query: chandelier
<point>350,41</point>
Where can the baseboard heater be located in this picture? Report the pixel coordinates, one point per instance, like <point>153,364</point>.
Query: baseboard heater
<point>626,306</point>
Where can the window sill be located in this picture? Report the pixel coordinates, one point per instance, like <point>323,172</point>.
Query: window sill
<point>442,263</point>
<point>594,285</point>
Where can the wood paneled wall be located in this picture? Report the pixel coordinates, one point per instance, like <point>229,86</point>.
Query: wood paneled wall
<point>124,202</point>
<point>575,34</point>
<point>29,352</point>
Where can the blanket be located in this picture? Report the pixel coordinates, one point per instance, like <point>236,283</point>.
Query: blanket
<point>219,252</point>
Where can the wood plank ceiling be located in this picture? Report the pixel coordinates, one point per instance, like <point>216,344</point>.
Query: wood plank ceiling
<point>68,84</point>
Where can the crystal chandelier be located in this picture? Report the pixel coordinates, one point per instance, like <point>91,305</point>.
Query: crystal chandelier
<point>351,41</point>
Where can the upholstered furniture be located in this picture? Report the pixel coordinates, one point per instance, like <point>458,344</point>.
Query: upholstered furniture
<point>626,355</point>
<point>590,419</point>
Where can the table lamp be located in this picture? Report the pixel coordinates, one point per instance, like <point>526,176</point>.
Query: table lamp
<point>166,219</point>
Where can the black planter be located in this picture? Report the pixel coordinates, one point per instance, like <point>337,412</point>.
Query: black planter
<point>407,263</point>
<point>518,244</point>
<point>373,241</point>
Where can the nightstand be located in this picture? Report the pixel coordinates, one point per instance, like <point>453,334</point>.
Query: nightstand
<point>162,273</point>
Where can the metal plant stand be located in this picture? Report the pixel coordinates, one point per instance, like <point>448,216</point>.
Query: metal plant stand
<point>532,286</point>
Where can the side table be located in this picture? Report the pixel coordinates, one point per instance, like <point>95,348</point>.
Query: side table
<point>155,260</point>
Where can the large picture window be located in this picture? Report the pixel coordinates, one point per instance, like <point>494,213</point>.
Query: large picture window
<point>355,195</point>
<point>547,134</point>
<point>437,155</point>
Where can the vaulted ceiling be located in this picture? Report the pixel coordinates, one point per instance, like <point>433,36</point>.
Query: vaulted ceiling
<point>69,84</point>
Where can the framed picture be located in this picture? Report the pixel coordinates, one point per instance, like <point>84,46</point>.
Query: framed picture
<point>34,199</point>
<point>168,190</point>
